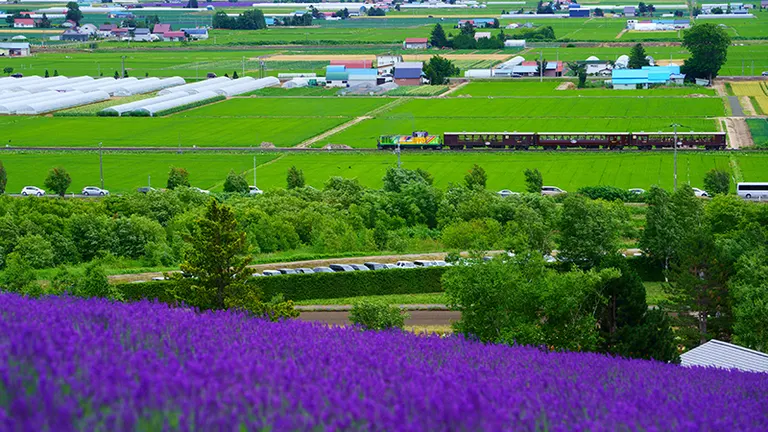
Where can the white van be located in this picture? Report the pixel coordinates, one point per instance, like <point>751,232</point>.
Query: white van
<point>755,191</point>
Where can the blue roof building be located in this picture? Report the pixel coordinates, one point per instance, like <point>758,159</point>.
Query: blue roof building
<point>627,79</point>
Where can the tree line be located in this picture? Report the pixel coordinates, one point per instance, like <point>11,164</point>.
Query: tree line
<point>712,254</point>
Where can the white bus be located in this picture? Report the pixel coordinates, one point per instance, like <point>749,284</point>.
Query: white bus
<point>755,191</point>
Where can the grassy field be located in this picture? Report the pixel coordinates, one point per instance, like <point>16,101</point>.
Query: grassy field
<point>172,131</point>
<point>548,88</point>
<point>759,129</point>
<point>94,108</point>
<point>288,107</point>
<point>124,172</point>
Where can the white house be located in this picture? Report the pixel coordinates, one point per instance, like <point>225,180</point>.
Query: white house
<point>385,64</point>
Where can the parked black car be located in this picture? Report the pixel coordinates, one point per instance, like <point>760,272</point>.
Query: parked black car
<point>341,267</point>
<point>145,189</point>
<point>376,266</point>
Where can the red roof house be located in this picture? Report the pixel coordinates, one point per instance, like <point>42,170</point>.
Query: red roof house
<point>161,28</point>
<point>415,43</point>
<point>174,35</point>
<point>23,23</point>
<point>353,64</point>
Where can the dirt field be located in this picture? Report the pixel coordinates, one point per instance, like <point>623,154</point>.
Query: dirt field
<point>666,62</point>
<point>407,57</point>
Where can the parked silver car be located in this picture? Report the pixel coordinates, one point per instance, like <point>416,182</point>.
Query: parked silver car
<point>405,264</point>
<point>93,190</point>
<point>552,190</point>
<point>253,190</point>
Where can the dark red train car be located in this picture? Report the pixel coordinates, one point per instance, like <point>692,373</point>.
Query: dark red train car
<point>659,140</point>
<point>497,140</point>
<point>587,140</point>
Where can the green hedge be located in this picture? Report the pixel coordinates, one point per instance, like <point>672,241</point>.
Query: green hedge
<point>318,285</point>
<point>189,106</point>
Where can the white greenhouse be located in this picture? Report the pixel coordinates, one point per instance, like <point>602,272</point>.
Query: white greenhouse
<point>248,84</point>
<point>10,107</point>
<point>188,88</point>
<point>66,100</point>
<point>89,86</point>
<point>148,85</point>
<point>173,103</point>
<point>8,83</point>
<point>131,106</point>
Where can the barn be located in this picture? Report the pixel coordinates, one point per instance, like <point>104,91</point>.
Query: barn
<point>416,43</point>
<point>409,73</point>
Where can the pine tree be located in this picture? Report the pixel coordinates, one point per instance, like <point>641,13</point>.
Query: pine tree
<point>637,57</point>
<point>437,38</point>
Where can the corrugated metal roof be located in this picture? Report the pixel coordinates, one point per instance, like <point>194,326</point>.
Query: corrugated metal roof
<point>407,73</point>
<point>14,45</point>
<point>724,355</point>
<point>524,69</point>
<point>363,72</point>
<point>629,73</point>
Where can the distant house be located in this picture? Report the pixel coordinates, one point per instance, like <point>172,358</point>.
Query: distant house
<point>142,35</point>
<point>595,66</point>
<point>416,43</point>
<point>23,23</point>
<point>629,11</point>
<point>196,33</point>
<point>105,30</point>
<point>480,35</point>
<point>74,36</point>
<point>725,355</point>
<point>476,23</point>
<point>174,36</point>
<point>353,64</point>
<point>408,73</point>
<point>120,32</point>
<point>161,29</point>
<point>385,64</point>
<point>14,49</point>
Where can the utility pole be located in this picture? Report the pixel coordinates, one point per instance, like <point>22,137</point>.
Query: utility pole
<point>254,170</point>
<point>541,66</point>
<point>675,125</point>
<point>101,167</point>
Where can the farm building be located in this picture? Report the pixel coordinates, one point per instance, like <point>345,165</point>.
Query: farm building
<point>514,43</point>
<point>359,77</point>
<point>578,12</point>
<point>595,66</point>
<point>552,69</point>
<point>89,29</point>
<point>657,25</point>
<point>105,30</point>
<point>629,79</point>
<point>142,35</point>
<point>476,22</point>
<point>23,23</point>
<point>416,43</point>
<point>196,33</point>
<point>14,49</point>
<point>174,36</point>
<point>629,11</point>
<point>385,64</point>
<point>161,29</point>
<point>764,4</point>
<point>74,36</point>
<point>725,355</point>
<point>336,76</point>
<point>353,64</point>
<point>409,73</point>
<point>480,35</point>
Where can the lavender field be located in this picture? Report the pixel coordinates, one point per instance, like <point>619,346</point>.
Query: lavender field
<point>73,364</point>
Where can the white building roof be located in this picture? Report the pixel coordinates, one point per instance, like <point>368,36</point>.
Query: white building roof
<point>724,355</point>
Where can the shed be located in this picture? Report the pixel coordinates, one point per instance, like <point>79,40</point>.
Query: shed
<point>480,35</point>
<point>415,43</point>
<point>724,355</point>
<point>336,75</point>
<point>629,79</point>
<point>353,64</point>
<point>142,35</point>
<point>105,30</point>
<point>514,43</point>
<point>361,76</point>
<point>629,11</point>
<point>196,33</point>
<point>14,49</point>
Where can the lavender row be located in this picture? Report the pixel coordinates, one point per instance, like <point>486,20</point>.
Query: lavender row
<point>74,364</point>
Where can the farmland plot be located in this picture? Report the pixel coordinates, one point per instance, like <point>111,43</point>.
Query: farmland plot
<point>289,107</point>
<point>548,88</point>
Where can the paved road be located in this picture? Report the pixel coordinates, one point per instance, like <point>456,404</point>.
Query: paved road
<point>735,106</point>
<point>416,318</point>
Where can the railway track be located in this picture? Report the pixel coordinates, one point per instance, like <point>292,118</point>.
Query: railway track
<point>343,150</point>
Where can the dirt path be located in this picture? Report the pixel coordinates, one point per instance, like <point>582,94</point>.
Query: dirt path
<point>452,90</point>
<point>736,110</point>
<point>746,104</point>
<point>333,131</point>
<point>621,33</point>
<point>416,318</point>
<point>738,133</point>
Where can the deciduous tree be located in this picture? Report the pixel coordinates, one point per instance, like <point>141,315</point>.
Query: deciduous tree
<point>178,177</point>
<point>476,178</point>
<point>717,181</point>
<point>58,180</point>
<point>73,13</point>
<point>590,230</point>
<point>235,183</point>
<point>533,180</point>
<point>708,45</point>
<point>295,178</point>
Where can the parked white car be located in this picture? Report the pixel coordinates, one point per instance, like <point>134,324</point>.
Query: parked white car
<point>700,193</point>
<point>253,190</point>
<point>32,190</point>
<point>551,190</point>
<point>506,192</point>
<point>202,191</point>
<point>93,190</point>
<point>637,191</point>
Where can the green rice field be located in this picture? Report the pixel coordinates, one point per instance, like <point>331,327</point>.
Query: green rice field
<point>759,130</point>
<point>124,172</point>
<point>288,107</point>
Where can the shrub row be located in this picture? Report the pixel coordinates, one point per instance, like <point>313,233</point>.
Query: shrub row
<point>317,285</point>
<point>189,106</point>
